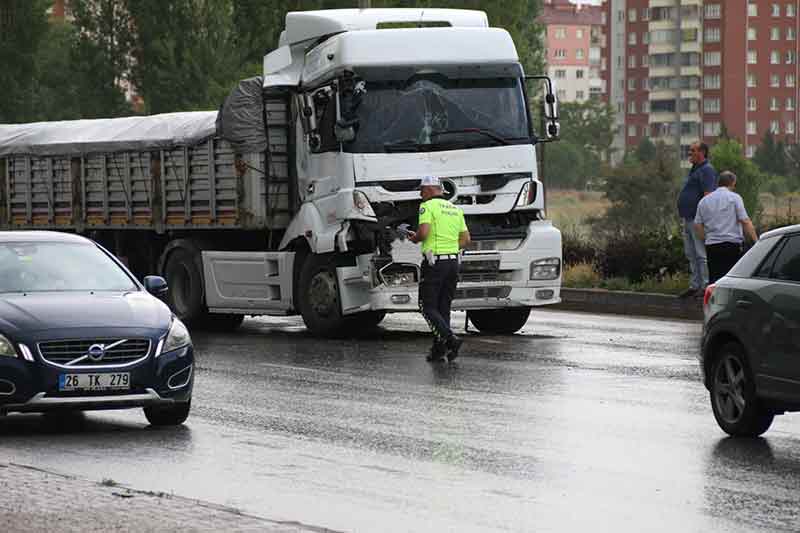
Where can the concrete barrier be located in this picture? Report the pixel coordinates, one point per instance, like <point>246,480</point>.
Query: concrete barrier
<point>630,303</point>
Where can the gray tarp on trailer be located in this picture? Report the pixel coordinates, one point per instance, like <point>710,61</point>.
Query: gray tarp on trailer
<point>107,135</point>
<point>241,118</point>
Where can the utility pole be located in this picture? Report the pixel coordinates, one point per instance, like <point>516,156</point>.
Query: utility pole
<point>363,4</point>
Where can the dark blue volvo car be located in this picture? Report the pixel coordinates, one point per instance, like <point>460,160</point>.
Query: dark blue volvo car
<point>79,332</point>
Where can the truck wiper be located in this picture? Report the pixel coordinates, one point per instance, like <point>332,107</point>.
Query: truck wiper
<point>488,133</point>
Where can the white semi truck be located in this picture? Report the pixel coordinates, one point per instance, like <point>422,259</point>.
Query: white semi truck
<point>290,198</point>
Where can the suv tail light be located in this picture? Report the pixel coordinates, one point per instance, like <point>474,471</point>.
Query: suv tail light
<point>707,294</point>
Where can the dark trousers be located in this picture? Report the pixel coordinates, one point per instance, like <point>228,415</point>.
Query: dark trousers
<point>721,258</point>
<point>437,288</point>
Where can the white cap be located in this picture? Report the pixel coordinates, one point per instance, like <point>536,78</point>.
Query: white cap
<point>430,181</point>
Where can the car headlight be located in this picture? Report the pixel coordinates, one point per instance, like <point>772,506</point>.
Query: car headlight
<point>6,348</point>
<point>543,269</point>
<point>178,337</point>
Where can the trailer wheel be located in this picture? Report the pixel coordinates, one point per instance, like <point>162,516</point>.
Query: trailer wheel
<point>185,286</point>
<point>501,321</point>
<point>318,297</point>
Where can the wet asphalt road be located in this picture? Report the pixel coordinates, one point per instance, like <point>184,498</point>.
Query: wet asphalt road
<point>581,422</point>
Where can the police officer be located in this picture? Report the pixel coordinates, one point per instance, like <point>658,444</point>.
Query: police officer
<point>443,234</point>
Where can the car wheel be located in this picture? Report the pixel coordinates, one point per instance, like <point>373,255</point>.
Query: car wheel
<point>185,286</point>
<point>168,416</point>
<point>318,296</point>
<point>733,395</point>
<point>499,321</point>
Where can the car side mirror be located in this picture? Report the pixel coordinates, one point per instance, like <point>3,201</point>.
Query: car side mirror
<point>156,285</point>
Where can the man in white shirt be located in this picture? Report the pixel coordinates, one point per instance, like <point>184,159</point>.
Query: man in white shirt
<point>722,222</point>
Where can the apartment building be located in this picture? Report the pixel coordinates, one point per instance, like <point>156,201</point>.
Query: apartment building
<point>681,70</point>
<point>575,39</point>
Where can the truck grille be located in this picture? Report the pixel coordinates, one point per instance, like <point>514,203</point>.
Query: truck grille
<point>62,352</point>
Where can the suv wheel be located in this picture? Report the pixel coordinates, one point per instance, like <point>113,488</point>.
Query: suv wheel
<point>733,395</point>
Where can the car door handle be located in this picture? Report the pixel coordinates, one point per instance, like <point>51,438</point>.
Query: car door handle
<point>744,304</point>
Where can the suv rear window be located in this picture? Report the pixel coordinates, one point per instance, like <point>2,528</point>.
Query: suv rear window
<point>746,266</point>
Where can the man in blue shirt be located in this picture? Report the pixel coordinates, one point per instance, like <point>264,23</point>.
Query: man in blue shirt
<point>702,180</point>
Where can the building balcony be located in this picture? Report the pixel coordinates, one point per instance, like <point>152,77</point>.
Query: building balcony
<point>662,48</point>
<point>661,116</point>
<point>691,70</point>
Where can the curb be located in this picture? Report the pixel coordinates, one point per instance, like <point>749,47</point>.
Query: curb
<point>630,303</point>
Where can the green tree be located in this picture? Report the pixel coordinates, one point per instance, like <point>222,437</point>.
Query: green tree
<point>23,24</point>
<point>57,89</point>
<point>646,150</point>
<point>589,125</point>
<point>102,58</point>
<point>565,165</point>
<point>728,155</point>
<point>770,156</point>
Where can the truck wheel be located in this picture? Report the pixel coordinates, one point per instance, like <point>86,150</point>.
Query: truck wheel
<point>168,416</point>
<point>318,297</point>
<point>502,321</point>
<point>185,286</point>
<point>222,322</point>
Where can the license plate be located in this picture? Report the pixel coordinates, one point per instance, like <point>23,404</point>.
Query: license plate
<point>91,382</point>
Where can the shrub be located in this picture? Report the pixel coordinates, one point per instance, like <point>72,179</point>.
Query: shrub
<point>576,248</point>
<point>636,256</point>
<point>581,276</point>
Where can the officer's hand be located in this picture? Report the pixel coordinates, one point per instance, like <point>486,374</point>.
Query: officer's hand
<point>412,235</point>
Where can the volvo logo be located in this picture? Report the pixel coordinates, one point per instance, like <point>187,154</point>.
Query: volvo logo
<point>96,352</point>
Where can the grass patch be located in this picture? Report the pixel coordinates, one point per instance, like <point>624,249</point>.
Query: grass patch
<point>570,209</point>
<point>585,276</point>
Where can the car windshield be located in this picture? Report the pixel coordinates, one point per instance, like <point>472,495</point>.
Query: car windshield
<point>57,266</point>
<point>437,113</point>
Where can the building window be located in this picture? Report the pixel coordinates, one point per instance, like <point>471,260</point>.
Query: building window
<point>632,107</point>
<point>632,37</point>
<point>579,74</point>
<point>751,151</point>
<point>712,35</point>
<point>751,80</point>
<point>560,53</point>
<point>790,104</point>
<point>620,16</point>
<point>789,10</point>
<point>710,105</point>
<point>790,80</point>
<point>646,106</point>
<point>751,127</point>
<point>752,57</point>
<point>775,57</point>
<point>790,34</point>
<point>579,53</point>
<point>774,80</point>
<point>711,81</point>
<point>631,61</point>
<point>645,60</point>
<point>713,11</point>
<point>751,103</point>
<point>631,84</point>
<point>645,13</point>
<point>712,129</point>
<point>579,33</point>
<point>752,34</point>
<point>645,84</point>
<point>562,94</point>
<point>752,10</point>
<point>775,34</point>
<point>645,37</point>
<point>774,127</point>
<point>561,74</point>
<point>632,15</point>
<point>560,33</point>
<point>579,95</point>
<point>712,59</point>
<point>790,127</point>
<point>790,57</point>
<point>631,131</point>
<point>776,10</point>
<point>773,104</point>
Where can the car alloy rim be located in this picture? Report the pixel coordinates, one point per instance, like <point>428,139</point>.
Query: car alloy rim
<point>729,383</point>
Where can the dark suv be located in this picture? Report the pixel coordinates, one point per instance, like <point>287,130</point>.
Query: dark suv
<point>79,332</point>
<point>750,356</point>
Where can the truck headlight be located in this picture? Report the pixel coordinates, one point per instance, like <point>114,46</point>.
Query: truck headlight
<point>6,348</point>
<point>549,268</point>
<point>527,195</point>
<point>362,205</point>
<point>178,337</point>
<point>395,275</point>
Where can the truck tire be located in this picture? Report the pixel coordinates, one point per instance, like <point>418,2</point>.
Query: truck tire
<point>185,287</point>
<point>318,297</point>
<point>501,321</point>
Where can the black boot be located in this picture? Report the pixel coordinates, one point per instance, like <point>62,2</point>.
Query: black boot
<point>453,345</point>
<point>438,352</point>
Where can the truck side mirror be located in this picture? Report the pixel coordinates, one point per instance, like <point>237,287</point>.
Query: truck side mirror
<point>550,124</point>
